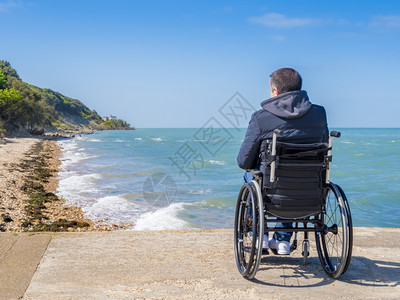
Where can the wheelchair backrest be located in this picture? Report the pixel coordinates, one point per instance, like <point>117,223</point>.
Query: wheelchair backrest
<point>297,189</point>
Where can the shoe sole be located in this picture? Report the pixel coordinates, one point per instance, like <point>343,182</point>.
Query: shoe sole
<point>277,253</point>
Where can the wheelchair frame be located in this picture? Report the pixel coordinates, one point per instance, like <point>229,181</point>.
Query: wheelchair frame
<point>332,225</point>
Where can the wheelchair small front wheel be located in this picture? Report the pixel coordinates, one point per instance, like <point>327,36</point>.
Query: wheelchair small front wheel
<point>334,242</point>
<point>306,251</point>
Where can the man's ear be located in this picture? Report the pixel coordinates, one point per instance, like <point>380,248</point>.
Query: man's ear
<point>274,91</point>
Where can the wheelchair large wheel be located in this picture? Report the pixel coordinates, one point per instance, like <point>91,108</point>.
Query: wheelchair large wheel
<point>350,225</point>
<point>249,229</point>
<point>334,243</point>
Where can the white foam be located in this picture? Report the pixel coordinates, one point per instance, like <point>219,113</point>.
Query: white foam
<point>164,218</point>
<point>68,145</point>
<point>217,162</point>
<point>70,158</point>
<point>72,154</point>
<point>139,139</point>
<point>73,187</point>
<point>158,139</point>
<point>114,208</point>
<point>200,192</point>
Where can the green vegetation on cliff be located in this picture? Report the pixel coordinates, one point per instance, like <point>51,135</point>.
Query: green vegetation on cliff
<point>27,107</point>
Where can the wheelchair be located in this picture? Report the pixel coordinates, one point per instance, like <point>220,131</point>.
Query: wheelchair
<point>293,185</point>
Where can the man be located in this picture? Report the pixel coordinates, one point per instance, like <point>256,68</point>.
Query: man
<point>289,110</point>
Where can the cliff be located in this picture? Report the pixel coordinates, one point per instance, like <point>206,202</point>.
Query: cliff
<point>25,107</point>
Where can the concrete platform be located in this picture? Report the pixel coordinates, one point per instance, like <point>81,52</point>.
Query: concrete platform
<point>186,265</point>
<point>19,258</point>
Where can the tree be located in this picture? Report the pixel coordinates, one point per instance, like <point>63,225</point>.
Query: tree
<point>10,105</point>
<point>7,70</point>
<point>37,114</point>
<point>3,80</point>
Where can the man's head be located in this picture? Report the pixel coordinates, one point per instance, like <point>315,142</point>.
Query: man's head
<point>285,80</point>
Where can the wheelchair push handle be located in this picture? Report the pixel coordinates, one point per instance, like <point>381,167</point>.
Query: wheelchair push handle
<point>273,153</point>
<point>332,134</point>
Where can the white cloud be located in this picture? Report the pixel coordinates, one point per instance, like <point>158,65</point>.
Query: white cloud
<point>5,6</point>
<point>385,22</point>
<point>281,21</point>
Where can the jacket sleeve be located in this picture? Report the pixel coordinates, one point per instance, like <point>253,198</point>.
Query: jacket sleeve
<point>325,137</point>
<point>248,153</point>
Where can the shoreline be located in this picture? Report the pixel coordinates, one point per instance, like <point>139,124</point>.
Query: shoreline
<point>28,185</point>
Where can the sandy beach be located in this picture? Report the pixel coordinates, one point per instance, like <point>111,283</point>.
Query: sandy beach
<point>12,198</point>
<point>28,182</point>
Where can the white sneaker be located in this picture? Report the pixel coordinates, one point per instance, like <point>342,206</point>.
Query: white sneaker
<point>264,243</point>
<point>281,247</point>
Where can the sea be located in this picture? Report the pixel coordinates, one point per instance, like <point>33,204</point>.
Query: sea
<point>187,178</point>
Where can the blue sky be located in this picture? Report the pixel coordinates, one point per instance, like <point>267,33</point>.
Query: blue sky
<point>176,63</point>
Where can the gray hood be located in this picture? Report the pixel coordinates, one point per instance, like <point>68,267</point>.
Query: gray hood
<point>290,105</point>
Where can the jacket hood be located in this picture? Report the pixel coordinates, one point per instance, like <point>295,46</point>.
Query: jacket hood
<point>290,105</point>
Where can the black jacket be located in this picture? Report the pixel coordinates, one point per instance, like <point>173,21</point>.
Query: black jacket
<point>291,112</point>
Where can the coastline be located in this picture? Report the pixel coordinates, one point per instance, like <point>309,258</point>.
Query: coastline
<point>28,183</point>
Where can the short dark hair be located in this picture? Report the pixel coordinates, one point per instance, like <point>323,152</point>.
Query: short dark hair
<point>286,80</point>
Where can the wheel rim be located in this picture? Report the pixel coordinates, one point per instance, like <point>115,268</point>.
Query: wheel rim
<point>350,229</point>
<point>244,227</point>
<point>258,218</point>
<point>332,243</point>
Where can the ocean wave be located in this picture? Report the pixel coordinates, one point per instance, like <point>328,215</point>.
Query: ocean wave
<point>72,153</point>
<point>67,145</point>
<point>217,162</point>
<point>73,187</point>
<point>114,209</point>
<point>200,192</point>
<point>164,218</point>
<point>157,139</point>
<point>214,202</point>
<point>138,139</point>
<point>70,158</point>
